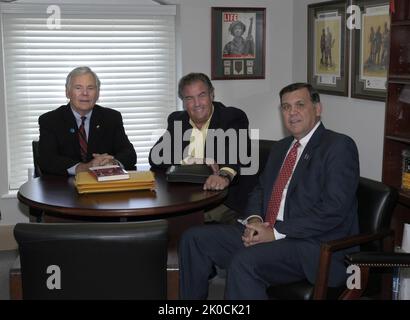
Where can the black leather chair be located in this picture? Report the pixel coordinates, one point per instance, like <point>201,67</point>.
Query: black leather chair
<point>246,183</point>
<point>93,260</point>
<point>36,158</point>
<point>376,203</point>
<point>365,260</point>
<point>36,215</point>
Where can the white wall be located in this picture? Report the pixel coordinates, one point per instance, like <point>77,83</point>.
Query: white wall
<point>258,98</point>
<point>285,62</point>
<point>363,120</point>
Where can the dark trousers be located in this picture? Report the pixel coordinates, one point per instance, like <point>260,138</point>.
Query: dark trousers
<point>249,270</point>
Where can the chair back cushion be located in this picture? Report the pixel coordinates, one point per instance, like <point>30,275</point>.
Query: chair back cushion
<point>238,193</point>
<point>376,202</point>
<point>93,260</point>
<point>36,158</point>
<point>265,146</point>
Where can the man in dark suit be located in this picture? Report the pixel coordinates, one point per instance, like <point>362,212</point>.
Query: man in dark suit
<point>279,241</point>
<point>205,132</point>
<point>82,134</point>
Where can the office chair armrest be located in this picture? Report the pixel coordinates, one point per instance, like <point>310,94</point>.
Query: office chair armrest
<point>379,259</point>
<point>351,241</point>
<point>327,249</point>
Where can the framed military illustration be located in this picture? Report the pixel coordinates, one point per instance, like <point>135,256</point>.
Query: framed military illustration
<point>328,47</point>
<point>370,54</point>
<point>238,43</point>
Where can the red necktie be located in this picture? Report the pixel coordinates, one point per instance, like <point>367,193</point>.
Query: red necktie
<point>280,183</point>
<point>82,138</point>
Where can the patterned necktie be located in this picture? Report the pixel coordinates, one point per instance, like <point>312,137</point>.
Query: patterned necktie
<point>82,138</point>
<point>280,183</point>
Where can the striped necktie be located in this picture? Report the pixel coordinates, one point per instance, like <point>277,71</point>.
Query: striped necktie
<point>280,183</point>
<point>82,138</point>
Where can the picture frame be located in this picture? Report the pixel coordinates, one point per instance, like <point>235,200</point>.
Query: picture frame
<point>370,52</point>
<point>238,43</point>
<point>328,47</point>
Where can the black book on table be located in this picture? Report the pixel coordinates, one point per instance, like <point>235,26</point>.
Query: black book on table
<point>193,173</point>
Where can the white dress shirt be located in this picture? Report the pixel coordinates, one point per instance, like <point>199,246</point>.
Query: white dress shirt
<point>303,142</point>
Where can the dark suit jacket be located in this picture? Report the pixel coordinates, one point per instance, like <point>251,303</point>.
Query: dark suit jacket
<point>59,147</point>
<point>223,118</point>
<point>321,202</point>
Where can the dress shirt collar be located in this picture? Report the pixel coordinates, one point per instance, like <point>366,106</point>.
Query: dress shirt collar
<point>78,116</point>
<point>205,127</point>
<point>304,141</point>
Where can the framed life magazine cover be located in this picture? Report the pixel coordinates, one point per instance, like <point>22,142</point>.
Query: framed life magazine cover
<point>370,52</point>
<point>328,47</point>
<point>238,43</point>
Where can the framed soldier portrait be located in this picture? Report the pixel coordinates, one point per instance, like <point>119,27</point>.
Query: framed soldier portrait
<point>370,54</point>
<point>328,47</point>
<point>238,43</point>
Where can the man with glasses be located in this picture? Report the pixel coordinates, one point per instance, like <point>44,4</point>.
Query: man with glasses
<point>82,134</point>
<point>306,195</point>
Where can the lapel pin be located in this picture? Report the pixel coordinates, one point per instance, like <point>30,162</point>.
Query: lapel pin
<point>72,130</point>
<point>98,126</point>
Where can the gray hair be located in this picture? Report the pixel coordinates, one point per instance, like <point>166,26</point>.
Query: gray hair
<point>80,71</point>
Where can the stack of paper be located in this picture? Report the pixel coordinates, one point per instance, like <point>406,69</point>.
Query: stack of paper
<point>85,182</point>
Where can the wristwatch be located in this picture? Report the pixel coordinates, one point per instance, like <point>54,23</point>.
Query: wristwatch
<point>225,175</point>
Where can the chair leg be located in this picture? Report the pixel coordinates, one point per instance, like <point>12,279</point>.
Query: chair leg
<point>35,215</point>
<point>16,286</point>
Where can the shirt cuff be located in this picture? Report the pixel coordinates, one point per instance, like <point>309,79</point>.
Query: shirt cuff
<point>278,235</point>
<point>71,171</point>
<point>245,221</point>
<point>231,171</point>
<point>118,163</point>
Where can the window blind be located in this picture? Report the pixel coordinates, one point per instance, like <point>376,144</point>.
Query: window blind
<point>133,54</point>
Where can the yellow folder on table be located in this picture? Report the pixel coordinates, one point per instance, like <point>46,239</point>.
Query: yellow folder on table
<point>85,182</point>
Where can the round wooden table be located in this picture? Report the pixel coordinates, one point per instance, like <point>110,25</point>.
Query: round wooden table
<point>181,204</point>
<point>57,196</point>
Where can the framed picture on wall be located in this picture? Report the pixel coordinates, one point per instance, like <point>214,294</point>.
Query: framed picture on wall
<point>370,54</point>
<point>328,47</point>
<point>238,43</point>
